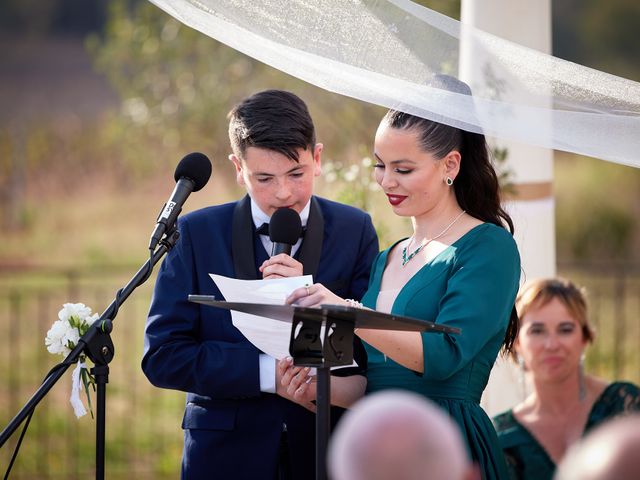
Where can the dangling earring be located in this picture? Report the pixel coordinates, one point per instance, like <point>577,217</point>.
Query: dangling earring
<point>448,181</point>
<point>523,377</point>
<point>582,387</point>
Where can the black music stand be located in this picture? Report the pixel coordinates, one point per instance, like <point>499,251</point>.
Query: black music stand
<point>310,346</point>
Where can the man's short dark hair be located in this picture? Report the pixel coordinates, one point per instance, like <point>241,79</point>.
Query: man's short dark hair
<point>274,120</point>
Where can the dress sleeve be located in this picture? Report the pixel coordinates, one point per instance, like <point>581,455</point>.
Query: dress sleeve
<point>619,398</point>
<point>628,397</point>
<point>478,299</point>
<point>511,440</point>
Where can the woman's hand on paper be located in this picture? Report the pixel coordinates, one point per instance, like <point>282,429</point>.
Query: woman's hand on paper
<point>314,295</point>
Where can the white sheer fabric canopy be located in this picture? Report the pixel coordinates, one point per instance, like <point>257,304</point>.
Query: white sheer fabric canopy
<point>387,52</point>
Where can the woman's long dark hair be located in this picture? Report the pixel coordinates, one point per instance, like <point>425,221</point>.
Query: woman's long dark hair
<point>476,187</point>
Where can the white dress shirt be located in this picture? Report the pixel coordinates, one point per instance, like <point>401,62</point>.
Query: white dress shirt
<point>267,363</point>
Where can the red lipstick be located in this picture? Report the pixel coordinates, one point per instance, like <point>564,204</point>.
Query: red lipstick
<point>395,199</point>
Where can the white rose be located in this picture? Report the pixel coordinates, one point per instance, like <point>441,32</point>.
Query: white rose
<point>56,339</point>
<point>72,336</point>
<point>69,310</point>
<point>91,320</point>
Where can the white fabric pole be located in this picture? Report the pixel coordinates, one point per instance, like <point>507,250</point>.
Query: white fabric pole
<point>532,208</point>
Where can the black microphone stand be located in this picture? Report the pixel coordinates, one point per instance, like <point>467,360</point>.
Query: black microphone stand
<point>96,343</point>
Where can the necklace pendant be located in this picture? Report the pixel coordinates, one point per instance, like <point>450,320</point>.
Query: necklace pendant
<point>406,259</point>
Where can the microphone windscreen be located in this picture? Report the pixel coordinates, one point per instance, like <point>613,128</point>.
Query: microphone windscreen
<point>285,226</point>
<point>196,167</point>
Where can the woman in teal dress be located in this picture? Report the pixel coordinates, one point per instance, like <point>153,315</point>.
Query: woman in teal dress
<point>564,403</point>
<point>460,268</point>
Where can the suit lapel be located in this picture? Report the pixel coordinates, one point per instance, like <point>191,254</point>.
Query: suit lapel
<point>242,241</point>
<point>311,247</point>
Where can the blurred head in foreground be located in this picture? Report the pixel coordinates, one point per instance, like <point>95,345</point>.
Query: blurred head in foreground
<point>612,451</point>
<point>398,436</point>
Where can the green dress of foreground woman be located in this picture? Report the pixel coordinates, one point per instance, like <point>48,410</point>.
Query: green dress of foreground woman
<point>528,460</point>
<point>470,285</point>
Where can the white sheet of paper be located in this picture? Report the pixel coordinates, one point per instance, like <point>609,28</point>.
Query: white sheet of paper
<point>270,336</point>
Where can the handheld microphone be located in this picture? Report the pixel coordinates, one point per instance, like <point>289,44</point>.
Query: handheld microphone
<point>192,173</point>
<point>285,228</point>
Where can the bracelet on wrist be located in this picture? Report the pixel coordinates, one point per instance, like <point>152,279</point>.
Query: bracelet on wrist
<point>354,303</point>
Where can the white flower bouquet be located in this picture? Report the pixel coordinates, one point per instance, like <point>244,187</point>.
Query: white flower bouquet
<point>74,319</point>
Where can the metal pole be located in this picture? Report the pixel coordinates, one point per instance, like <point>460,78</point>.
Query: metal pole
<point>323,421</point>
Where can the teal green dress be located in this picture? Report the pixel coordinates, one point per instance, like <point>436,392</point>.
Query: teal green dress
<point>528,460</point>
<point>471,285</point>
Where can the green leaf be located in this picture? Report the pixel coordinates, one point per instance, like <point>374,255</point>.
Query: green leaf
<point>86,381</point>
<point>74,321</point>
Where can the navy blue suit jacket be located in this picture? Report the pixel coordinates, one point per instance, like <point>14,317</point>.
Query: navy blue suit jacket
<point>232,429</point>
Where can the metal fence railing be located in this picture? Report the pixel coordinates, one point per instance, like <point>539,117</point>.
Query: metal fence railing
<point>613,293</point>
<point>144,439</point>
<point>143,435</point>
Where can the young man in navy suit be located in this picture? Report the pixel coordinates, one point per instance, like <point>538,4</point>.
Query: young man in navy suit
<point>239,422</point>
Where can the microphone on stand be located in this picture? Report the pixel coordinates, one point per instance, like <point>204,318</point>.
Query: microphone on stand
<point>285,228</point>
<point>192,173</point>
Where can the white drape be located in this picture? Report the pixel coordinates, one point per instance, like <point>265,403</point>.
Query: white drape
<point>386,52</point>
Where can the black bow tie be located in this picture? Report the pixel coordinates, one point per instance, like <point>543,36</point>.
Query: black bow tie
<point>264,230</point>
